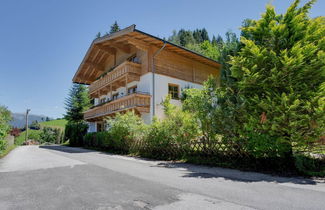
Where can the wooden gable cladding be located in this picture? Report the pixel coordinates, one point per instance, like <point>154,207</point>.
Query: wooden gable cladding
<point>177,66</point>
<point>174,61</point>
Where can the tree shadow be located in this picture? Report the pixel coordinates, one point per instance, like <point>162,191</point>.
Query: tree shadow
<point>206,172</point>
<point>201,171</point>
<point>66,149</point>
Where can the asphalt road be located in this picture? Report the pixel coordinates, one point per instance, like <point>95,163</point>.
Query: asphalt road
<point>56,177</point>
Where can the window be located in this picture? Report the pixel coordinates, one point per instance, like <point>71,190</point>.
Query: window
<point>173,91</point>
<point>102,100</point>
<point>115,96</point>
<point>132,90</point>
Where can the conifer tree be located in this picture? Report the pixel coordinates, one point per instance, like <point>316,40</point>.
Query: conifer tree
<point>114,28</point>
<point>280,72</point>
<point>76,103</point>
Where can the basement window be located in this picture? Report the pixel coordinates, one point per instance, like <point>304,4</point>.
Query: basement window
<point>173,91</point>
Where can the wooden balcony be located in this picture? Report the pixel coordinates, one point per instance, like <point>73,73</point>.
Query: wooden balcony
<point>139,102</point>
<point>119,76</point>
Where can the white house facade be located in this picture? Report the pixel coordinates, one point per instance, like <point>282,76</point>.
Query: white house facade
<point>132,70</point>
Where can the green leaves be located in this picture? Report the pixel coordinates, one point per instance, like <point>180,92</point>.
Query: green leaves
<point>5,117</point>
<point>279,71</point>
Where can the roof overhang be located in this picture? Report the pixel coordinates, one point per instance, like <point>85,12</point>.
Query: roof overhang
<point>130,35</point>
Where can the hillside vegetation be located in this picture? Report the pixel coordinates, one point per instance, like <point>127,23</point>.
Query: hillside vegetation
<point>54,123</point>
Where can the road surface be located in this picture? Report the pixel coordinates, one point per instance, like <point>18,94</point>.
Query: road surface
<point>57,177</point>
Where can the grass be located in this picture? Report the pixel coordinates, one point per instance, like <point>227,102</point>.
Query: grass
<point>54,124</point>
<point>6,151</point>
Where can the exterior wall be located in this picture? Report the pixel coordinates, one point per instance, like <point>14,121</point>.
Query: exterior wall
<point>161,90</point>
<point>170,68</point>
<point>180,67</point>
<point>92,127</point>
<point>122,91</point>
<point>162,82</point>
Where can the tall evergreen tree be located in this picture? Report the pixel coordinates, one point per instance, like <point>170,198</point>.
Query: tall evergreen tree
<point>98,35</point>
<point>281,72</point>
<point>76,103</point>
<point>185,37</point>
<point>114,28</point>
<point>200,35</point>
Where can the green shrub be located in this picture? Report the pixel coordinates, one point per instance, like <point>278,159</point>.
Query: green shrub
<point>124,128</point>
<point>172,135</point>
<point>3,145</point>
<point>5,117</point>
<point>99,139</point>
<point>35,135</point>
<point>75,132</point>
<point>309,166</point>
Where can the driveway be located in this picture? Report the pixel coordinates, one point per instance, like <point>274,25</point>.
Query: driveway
<point>57,177</point>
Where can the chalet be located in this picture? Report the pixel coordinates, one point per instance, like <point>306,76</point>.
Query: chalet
<point>133,70</point>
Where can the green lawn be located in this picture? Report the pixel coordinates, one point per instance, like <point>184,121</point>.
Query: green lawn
<point>54,124</point>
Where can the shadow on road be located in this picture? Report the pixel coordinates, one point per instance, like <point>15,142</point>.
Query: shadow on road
<point>66,149</point>
<point>205,172</point>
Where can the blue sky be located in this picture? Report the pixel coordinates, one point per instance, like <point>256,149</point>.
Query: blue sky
<point>43,42</point>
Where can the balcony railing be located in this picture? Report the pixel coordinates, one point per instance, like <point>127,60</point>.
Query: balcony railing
<point>124,69</point>
<point>137,101</point>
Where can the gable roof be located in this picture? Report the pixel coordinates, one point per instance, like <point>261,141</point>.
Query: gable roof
<point>132,33</point>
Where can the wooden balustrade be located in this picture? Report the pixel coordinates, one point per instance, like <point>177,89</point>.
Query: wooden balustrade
<point>137,101</point>
<point>124,69</point>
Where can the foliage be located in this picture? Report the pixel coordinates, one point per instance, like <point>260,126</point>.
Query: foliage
<point>35,125</point>
<point>15,132</point>
<point>124,128</point>
<point>3,145</point>
<point>188,37</point>
<point>98,139</point>
<point>32,134</point>
<point>174,132</point>
<point>76,103</point>
<point>7,150</point>
<point>47,135</point>
<point>98,35</point>
<point>280,72</point>
<point>5,117</point>
<point>310,166</point>
<point>114,28</point>
<point>74,132</point>
<point>58,123</point>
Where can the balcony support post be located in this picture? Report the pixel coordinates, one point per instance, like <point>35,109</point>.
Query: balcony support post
<point>111,92</point>
<point>126,84</point>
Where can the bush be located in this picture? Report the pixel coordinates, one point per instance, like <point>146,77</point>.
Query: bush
<point>124,129</point>
<point>75,132</point>
<point>5,117</point>
<point>171,137</point>
<point>3,145</point>
<point>99,139</point>
<point>35,125</point>
<point>34,135</point>
<point>15,132</point>
<point>51,135</point>
<point>310,166</point>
